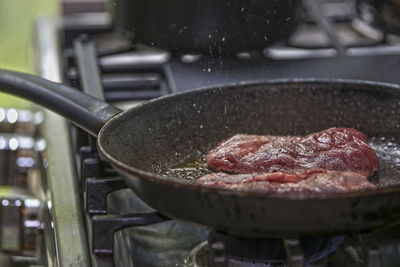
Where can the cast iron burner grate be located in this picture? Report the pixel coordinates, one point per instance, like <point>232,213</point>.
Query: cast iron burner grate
<point>227,250</point>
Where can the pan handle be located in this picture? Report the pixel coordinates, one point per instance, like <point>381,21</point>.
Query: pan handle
<point>87,112</point>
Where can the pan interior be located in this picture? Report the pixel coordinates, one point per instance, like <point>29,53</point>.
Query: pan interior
<point>170,136</point>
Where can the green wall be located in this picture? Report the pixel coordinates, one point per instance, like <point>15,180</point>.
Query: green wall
<point>16,20</point>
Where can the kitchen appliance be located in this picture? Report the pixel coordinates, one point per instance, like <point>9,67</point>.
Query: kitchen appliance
<point>86,196</point>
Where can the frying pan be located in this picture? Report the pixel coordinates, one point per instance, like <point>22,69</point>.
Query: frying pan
<point>146,143</point>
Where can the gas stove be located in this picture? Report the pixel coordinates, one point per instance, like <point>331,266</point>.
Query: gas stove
<point>93,219</point>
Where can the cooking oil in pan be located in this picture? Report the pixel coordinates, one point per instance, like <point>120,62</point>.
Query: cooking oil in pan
<point>188,172</point>
<point>388,152</point>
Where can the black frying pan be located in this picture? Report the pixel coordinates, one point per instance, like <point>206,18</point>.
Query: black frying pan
<point>146,142</point>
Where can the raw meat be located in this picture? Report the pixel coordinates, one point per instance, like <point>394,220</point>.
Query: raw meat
<point>317,180</point>
<point>340,149</point>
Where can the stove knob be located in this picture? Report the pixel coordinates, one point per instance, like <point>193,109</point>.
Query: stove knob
<point>18,155</point>
<point>21,121</point>
<point>19,226</point>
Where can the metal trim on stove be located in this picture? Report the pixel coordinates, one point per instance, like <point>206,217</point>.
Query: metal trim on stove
<point>70,243</point>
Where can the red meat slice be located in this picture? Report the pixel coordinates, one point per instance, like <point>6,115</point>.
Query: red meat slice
<point>340,149</point>
<point>320,181</point>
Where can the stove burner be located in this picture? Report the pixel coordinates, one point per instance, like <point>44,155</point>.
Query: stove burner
<point>263,250</point>
<point>198,258</point>
<point>226,250</point>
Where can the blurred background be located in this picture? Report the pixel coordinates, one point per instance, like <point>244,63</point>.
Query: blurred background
<point>16,25</point>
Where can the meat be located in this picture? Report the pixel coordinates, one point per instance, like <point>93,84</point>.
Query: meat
<point>341,149</point>
<point>320,181</point>
<point>333,160</point>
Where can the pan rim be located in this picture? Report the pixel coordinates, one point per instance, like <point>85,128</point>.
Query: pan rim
<point>290,196</point>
